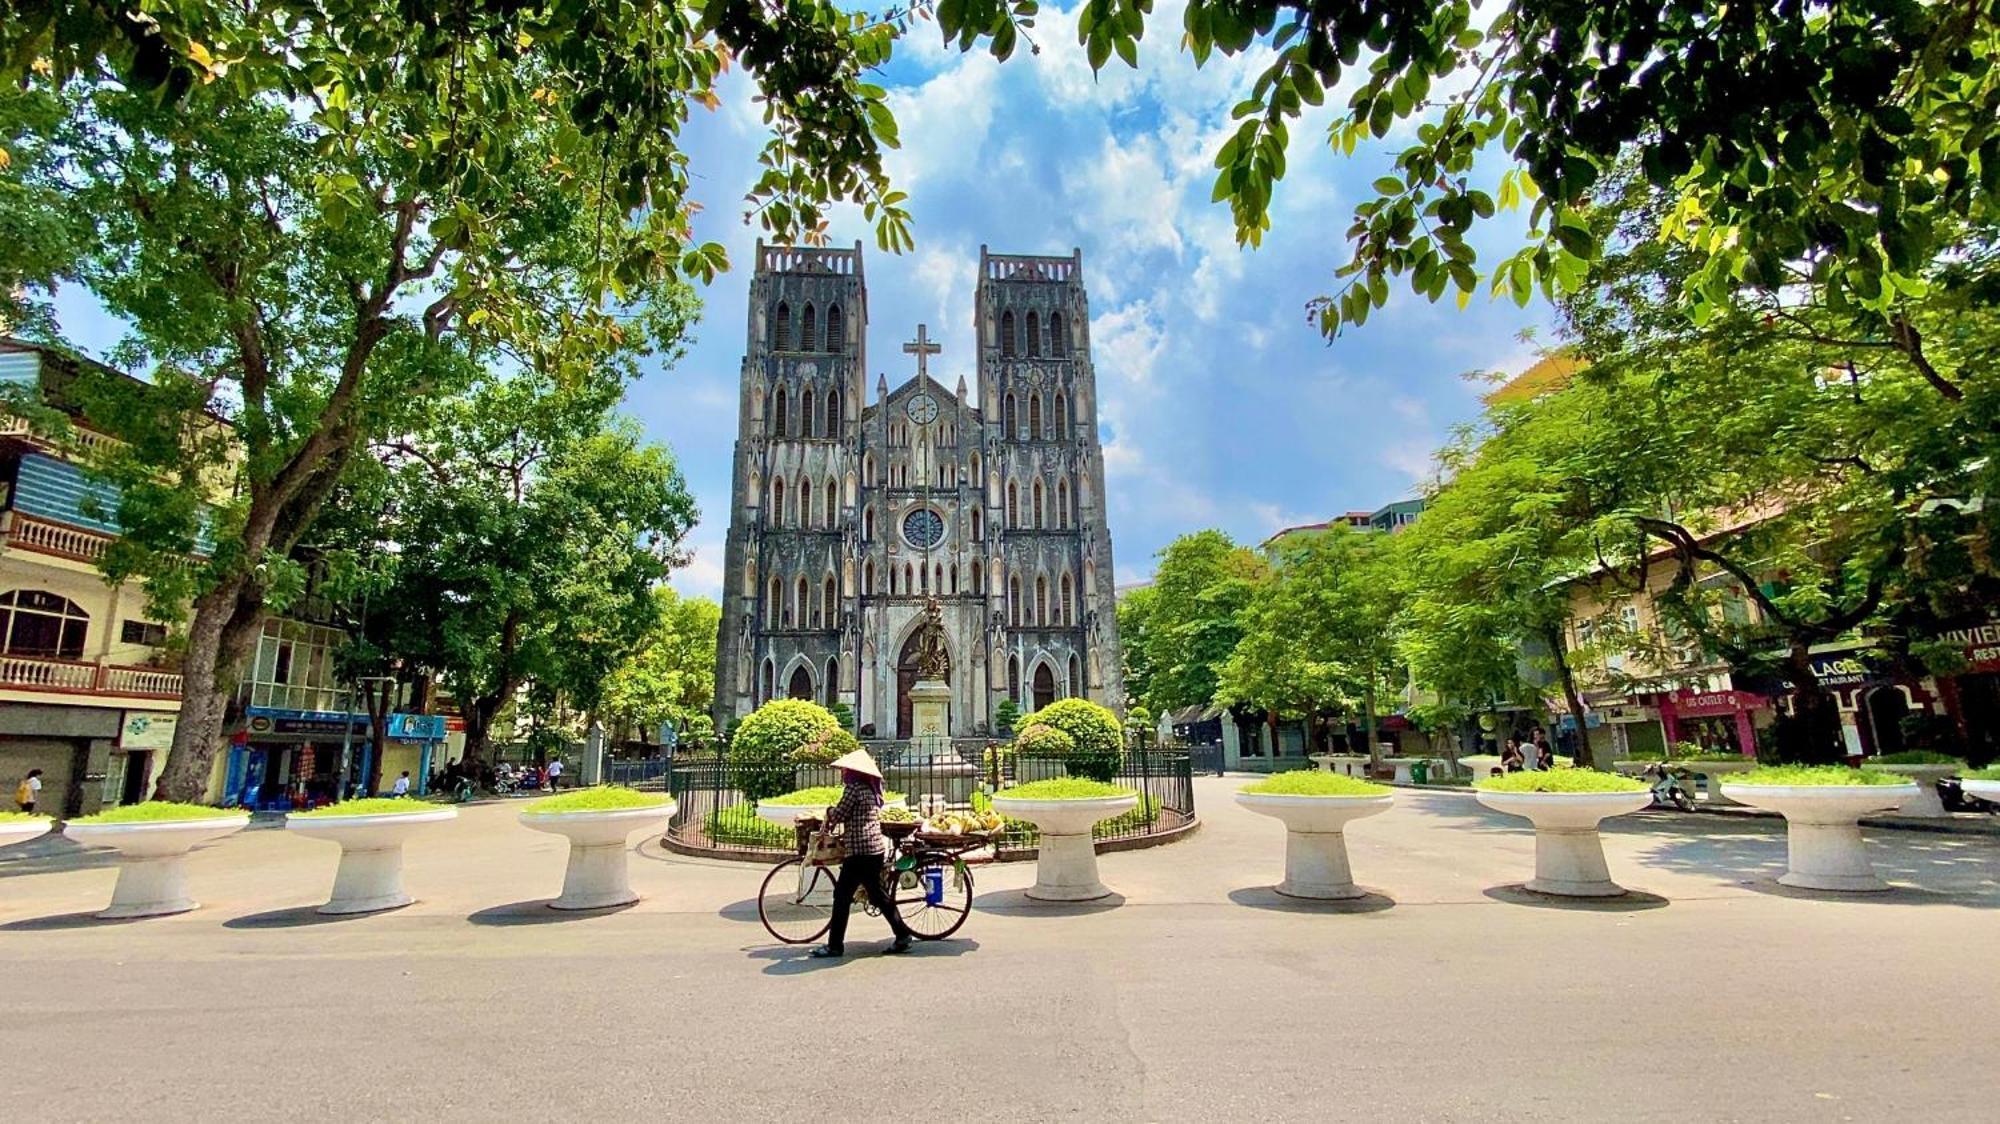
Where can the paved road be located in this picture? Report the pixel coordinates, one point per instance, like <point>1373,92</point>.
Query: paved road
<point>1198,994</point>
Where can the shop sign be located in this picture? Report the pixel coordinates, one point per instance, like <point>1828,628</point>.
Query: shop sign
<point>454,724</point>
<point>1840,671</point>
<point>147,729</point>
<point>416,727</point>
<point>1982,645</point>
<point>271,721</point>
<point>1714,704</point>
<point>1627,715</point>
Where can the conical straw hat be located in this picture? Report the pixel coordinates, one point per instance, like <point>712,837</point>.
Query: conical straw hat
<point>859,762</point>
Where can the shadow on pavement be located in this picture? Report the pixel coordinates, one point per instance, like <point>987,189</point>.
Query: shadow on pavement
<point>745,910</point>
<point>538,912</point>
<point>1018,902</point>
<point>1631,901</point>
<point>59,921</point>
<point>1267,897</point>
<point>301,916</point>
<point>1894,895</point>
<point>1934,869</point>
<point>797,959</point>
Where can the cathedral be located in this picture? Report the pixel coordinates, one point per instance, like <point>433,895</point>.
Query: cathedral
<point>848,516</point>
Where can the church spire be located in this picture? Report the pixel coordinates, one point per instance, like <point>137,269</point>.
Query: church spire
<point>881,387</point>
<point>961,390</point>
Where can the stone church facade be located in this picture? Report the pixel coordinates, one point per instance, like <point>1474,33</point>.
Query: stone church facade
<point>846,514</point>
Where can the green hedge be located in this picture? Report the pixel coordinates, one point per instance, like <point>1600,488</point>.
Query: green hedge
<point>1099,741</point>
<point>768,741</point>
<point>738,826</point>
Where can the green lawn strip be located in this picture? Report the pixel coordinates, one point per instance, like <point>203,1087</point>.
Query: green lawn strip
<point>1560,780</point>
<point>1916,757</point>
<point>1989,773</point>
<point>1305,782</point>
<point>1817,776</point>
<point>23,817</point>
<point>738,826</point>
<point>1063,788</point>
<point>372,806</point>
<point>158,811</point>
<point>821,795</point>
<point>603,798</point>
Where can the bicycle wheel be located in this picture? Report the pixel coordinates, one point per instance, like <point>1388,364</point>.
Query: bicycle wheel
<point>934,920</point>
<point>796,901</point>
<point>1683,799</point>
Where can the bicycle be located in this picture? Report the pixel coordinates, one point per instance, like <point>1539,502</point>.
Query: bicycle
<point>928,880</point>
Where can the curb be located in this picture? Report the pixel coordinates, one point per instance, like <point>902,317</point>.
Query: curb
<point>1971,824</point>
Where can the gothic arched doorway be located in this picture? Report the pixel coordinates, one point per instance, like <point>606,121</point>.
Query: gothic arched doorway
<point>802,684</point>
<point>1045,686</point>
<point>906,678</point>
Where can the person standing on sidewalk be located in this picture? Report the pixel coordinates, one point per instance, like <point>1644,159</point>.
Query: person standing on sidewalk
<point>860,809</point>
<point>29,792</point>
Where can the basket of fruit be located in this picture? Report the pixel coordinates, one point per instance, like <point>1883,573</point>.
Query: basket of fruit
<point>899,823</point>
<point>951,829</point>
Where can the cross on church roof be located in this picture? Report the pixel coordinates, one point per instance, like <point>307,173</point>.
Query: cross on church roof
<point>922,347</point>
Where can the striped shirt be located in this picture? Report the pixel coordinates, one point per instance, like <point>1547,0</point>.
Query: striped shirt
<point>860,808</point>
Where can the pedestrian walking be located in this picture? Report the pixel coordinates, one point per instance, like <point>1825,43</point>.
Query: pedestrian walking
<point>555,774</point>
<point>29,792</point>
<point>860,811</point>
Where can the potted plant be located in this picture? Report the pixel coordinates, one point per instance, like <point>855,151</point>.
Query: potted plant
<point>786,809</point>
<point>1926,768</point>
<point>1063,810</point>
<point>1316,809</point>
<point>19,827</point>
<point>1566,805</point>
<point>371,834</point>
<point>597,821</point>
<point>1823,806</point>
<point>1985,783</point>
<point>152,840</point>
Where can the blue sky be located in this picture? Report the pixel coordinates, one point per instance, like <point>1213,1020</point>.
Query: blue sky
<point>1220,405</point>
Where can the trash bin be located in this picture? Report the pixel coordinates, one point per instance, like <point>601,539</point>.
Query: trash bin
<point>1420,772</point>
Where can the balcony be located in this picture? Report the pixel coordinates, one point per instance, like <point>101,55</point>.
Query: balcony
<point>76,677</point>
<point>45,536</point>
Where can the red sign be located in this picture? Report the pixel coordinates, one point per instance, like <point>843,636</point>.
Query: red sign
<point>1982,645</point>
<point>454,724</point>
<point>1713,704</point>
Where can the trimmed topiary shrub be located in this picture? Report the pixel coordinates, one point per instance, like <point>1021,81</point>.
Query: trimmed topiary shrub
<point>1041,740</point>
<point>825,747</point>
<point>762,752</point>
<point>1099,740</point>
<point>1005,715</point>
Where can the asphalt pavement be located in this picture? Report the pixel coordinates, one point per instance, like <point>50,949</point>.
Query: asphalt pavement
<point>1195,993</point>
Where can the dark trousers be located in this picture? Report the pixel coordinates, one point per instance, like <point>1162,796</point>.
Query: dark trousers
<point>862,872</point>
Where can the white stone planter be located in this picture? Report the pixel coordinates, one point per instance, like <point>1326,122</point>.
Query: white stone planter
<point>1315,839</point>
<point>1402,765</point>
<point>597,877</point>
<point>20,831</point>
<point>152,860</point>
<point>1342,764</point>
<point>786,815</point>
<point>1925,803</point>
<point>1823,847</point>
<point>1479,766</point>
<point>1985,790</point>
<point>370,874</point>
<point>1066,857</point>
<point>1569,855</point>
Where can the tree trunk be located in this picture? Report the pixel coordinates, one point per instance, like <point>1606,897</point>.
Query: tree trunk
<point>1368,725</point>
<point>1584,758</point>
<point>224,625</point>
<point>1814,737</point>
<point>377,698</point>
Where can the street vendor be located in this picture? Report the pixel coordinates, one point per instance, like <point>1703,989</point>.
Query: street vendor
<point>860,810</point>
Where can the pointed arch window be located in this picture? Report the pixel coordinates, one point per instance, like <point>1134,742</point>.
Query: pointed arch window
<point>780,423</point>
<point>1034,417</point>
<point>802,604</point>
<point>836,328</point>
<point>868,578</point>
<point>1058,341</point>
<point>781,328</point>
<point>868,529</point>
<point>1014,600</point>
<point>1062,417</point>
<point>1062,504</point>
<point>1010,417</point>
<point>954,578</point>
<point>1039,522</point>
<point>1075,675</point>
<point>776,516</point>
<point>833,398</point>
<point>1034,336</point>
<point>775,605</point>
<point>909,579</point>
<point>1007,335</point>
<point>868,470</point>
<point>805,504</point>
<point>770,680</point>
<point>832,504</point>
<point>1013,678</point>
<point>832,680</point>
<point>808,421</point>
<point>829,602</point>
<point>894,588</point>
<point>1013,515</point>
<point>978,526</point>
<point>979,579</point>
<point>1041,600</point>
<point>808,330</point>
<point>1067,607</point>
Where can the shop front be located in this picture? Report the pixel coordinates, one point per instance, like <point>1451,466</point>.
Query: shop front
<point>1971,698</point>
<point>1717,721</point>
<point>287,759</point>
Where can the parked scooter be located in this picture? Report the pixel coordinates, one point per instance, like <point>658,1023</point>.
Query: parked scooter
<point>1671,786</point>
<point>1952,795</point>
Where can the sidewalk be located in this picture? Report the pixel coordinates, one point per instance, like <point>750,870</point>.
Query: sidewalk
<point>1952,823</point>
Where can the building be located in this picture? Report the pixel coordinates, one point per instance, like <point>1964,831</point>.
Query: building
<point>1388,518</point>
<point>847,515</point>
<point>88,692</point>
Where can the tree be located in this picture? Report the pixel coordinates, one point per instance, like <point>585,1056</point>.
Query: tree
<point>1135,614</point>
<point>671,677</point>
<point>531,532</point>
<point>1318,634</point>
<point>312,217</point>
<point>1850,134</point>
<point>1199,590</point>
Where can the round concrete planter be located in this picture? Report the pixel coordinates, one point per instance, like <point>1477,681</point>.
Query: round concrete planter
<point>596,877</point>
<point>1823,847</point>
<point>1315,839</point>
<point>1480,766</point>
<point>786,815</point>
<point>152,860</point>
<point>370,874</point>
<point>1925,803</point>
<point>1402,767</point>
<point>1569,855</point>
<point>1985,790</point>
<point>1066,857</point>
<point>20,831</point>
<point>1341,763</point>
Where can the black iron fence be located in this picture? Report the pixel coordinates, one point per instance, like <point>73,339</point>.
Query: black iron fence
<point>641,772</point>
<point>718,799</point>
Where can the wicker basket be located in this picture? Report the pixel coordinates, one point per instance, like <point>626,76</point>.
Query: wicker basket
<point>894,830</point>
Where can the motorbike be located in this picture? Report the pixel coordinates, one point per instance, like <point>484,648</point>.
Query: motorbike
<point>1952,795</point>
<point>1671,786</point>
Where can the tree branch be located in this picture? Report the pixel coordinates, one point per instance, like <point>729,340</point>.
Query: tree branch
<point>1911,343</point>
